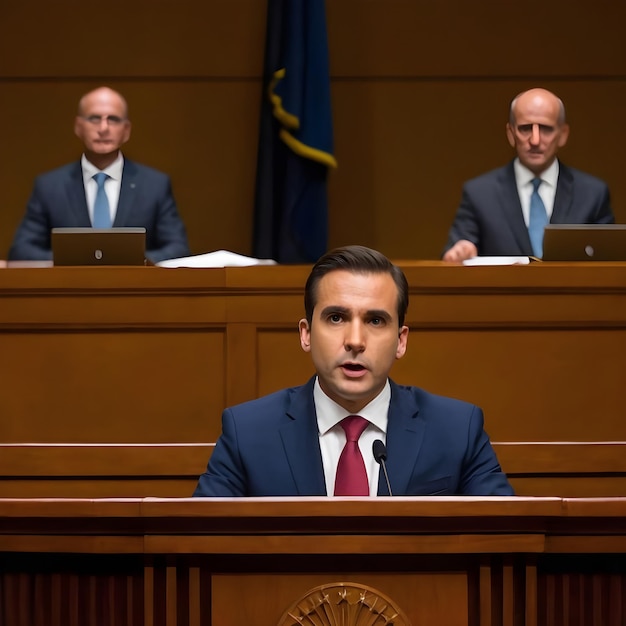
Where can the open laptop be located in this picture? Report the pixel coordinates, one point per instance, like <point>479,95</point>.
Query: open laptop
<point>584,242</point>
<point>98,246</point>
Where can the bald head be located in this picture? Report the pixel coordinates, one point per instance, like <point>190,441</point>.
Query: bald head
<point>102,125</point>
<point>537,97</point>
<point>537,128</point>
<point>103,94</point>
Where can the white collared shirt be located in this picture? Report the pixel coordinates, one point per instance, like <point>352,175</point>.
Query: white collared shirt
<point>112,185</point>
<point>547,190</point>
<point>333,438</point>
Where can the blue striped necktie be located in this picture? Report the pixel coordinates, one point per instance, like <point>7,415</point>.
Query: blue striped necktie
<point>101,211</point>
<point>538,219</point>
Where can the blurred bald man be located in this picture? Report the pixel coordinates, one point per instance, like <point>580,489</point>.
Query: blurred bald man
<point>495,212</point>
<point>136,195</point>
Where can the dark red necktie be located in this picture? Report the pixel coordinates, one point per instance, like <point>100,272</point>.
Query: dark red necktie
<point>351,477</point>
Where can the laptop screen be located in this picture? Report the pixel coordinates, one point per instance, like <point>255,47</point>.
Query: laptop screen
<point>584,242</point>
<point>98,246</point>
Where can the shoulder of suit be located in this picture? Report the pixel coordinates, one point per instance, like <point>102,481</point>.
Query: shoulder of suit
<point>488,178</point>
<point>67,170</point>
<point>135,168</point>
<point>271,400</point>
<point>579,176</point>
<point>427,400</point>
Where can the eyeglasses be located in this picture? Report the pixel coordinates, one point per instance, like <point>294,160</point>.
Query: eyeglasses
<point>111,120</point>
<point>526,130</point>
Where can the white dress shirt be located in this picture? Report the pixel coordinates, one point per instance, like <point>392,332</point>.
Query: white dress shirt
<point>547,190</point>
<point>333,437</point>
<point>112,185</point>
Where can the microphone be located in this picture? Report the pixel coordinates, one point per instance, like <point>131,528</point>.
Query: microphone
<point>380,456</point>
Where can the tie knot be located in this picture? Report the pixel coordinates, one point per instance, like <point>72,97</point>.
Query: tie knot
<point>100,177</point>
<point>536,183</point>
<point>354,425</point>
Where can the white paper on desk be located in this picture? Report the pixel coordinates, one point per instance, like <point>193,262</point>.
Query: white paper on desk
<point>219,258</point>
<point>497,260</point>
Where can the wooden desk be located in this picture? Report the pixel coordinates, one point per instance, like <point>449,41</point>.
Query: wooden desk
<point>151,356</point>
<point>236,562</point>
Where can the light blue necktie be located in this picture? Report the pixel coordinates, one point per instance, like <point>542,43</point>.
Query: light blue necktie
<point>101,212</point>
<point>538,219</point>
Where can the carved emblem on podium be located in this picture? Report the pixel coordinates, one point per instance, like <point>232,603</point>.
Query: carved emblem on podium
<point>344,604</point>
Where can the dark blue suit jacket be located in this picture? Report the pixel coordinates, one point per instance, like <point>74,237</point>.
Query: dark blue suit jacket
<point>490,214</point>
<point>435,446</point>
<point>58,200</point>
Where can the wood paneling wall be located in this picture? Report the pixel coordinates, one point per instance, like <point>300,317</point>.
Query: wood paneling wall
<point>118,376</point>
<point>420,97</point>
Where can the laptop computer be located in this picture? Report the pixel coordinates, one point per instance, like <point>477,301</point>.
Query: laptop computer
<point>98,246</point>
<point>584,242</point>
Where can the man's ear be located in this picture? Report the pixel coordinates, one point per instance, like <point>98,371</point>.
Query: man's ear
<point>305,335</point>
<point>127,129</point>
<point>77,127</point>
<point>564,135</point>
<point>510,135</point>
<point>403,337</point>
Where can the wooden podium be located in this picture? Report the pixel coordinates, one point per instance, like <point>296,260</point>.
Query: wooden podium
<point>278,562</point>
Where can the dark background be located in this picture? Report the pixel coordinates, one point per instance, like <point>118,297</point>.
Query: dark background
<point>420,90</point>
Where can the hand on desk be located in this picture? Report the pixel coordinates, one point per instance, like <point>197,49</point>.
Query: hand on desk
<point>460,251</point>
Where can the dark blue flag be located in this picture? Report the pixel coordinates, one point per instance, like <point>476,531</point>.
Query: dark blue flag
<point>296,135</point>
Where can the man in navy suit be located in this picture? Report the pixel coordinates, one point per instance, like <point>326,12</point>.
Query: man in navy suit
<point>494,214</point>
<point>136,195</point>
<point>289,443</point>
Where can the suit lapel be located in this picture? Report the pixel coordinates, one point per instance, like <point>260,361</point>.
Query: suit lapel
<point>512,208</point>
<point>564,196</point>
<point>76,199</point>
<point>405,434</point>
<point>301,443</point>
<point>127,193</point>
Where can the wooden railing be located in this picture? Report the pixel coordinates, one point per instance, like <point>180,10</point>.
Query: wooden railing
<point>579,469</point>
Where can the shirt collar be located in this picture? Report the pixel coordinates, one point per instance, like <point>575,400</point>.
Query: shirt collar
<point>524,176</point>
<point>114,170</point>
<point>329,413</point>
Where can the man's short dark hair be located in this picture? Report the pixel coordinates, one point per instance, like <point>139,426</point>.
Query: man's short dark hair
<point>359,260</point>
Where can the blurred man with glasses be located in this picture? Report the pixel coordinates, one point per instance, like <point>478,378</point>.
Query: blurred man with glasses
<point>496,212</point>
<point>135,195</point>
